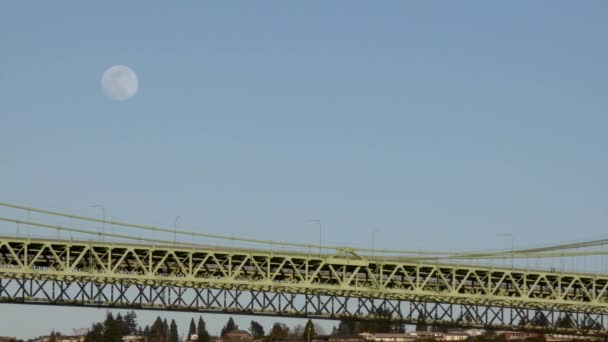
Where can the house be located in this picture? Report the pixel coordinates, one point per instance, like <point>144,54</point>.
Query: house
<point>456,336</point>
<point>475,332</point>
<point>338,338</point>
<point>518,335</point>
<point>237,336</point>
<point>426,335</point>
<point>384,337</point>
<point>75,338</point>
<point>561,337</point>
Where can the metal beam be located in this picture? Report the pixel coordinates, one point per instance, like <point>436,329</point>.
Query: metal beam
<point>188,278</point>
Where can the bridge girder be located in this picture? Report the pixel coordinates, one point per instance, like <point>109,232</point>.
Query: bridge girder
<point>323,286</point>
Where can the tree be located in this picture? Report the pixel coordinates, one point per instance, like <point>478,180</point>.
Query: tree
<point>203,334</point>
<point>229,327</point>
<point>95,334</point>
<point>157,330</point>
<point>279,332</point>
<point>192,329</point>
<point>591,324</point>
<point>382,323</point>
<point>309,331</point>
<point>165,330</point>
<point>348,326</point>
<point>421,325</point>
<point>173,335</point>
<point>540,320</point>
<point>297,332</point>
<point>121,325</point>
<point>256,330</point>
<point>564,322</point>
<point>130,323</point>
<point>112,329</point>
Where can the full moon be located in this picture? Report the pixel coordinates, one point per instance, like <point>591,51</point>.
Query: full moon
<point>119,83</point>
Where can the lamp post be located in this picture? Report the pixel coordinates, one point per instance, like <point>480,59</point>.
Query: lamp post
<point>103,217</point>
<point>509,235</point>
<point>318,221</point>
<point>374,231</point>
<point>177,218</point>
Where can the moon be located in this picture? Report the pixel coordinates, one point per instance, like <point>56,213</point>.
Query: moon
<point>119,83</point>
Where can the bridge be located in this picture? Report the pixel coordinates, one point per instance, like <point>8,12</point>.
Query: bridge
<point>115,270</point>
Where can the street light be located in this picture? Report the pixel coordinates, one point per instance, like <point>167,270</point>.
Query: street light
<point>509,235</point>
<point>103,216</point>
<point>177,218</point>
<point>318,221</point>
<point>374,231</point>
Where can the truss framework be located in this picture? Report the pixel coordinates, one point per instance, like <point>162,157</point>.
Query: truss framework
<point>295,284</point>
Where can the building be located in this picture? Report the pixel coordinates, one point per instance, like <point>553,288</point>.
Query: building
<point>561,337</point>
<point>384,337</point>
<point>237,336</point>
<point>7,339</point>
<point>75,338</point>
<point>475,332</point>
<point>518,335</point>
<point>338,338</point>
<point>456,336</point>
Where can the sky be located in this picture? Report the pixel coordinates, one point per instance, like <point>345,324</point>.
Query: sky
<point>427,124</point>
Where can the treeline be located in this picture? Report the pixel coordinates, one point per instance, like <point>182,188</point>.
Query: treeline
<point>113,329</point>
<point>278,332</point>
<point>382,324</point>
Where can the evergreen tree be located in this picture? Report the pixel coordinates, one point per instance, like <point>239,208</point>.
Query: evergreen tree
<point>156,331</point>
<point>564,322</point>
<point>112,329</point>
<point>165,331</point>
<point>130,324</point>
<point>540,320</point>
<point>203,334</point>
<point>421,325</point>
<point>173,335</point>
<point>192,329</point>
<point>229,327</point>
<point>309,331</point>
<point>95,334</point>
<point>256,330</point>
<point>348,327</point>
<point>119,319</point>
<point>122,327</point>
<point>591,324</point>
<point>382,323</point>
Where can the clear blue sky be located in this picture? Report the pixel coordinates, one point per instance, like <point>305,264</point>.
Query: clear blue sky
<point>439,124</point>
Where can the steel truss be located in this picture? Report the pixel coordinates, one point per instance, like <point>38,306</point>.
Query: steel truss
<point>237,281</point>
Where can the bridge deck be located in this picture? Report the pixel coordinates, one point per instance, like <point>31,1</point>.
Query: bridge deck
<point>297,284</point>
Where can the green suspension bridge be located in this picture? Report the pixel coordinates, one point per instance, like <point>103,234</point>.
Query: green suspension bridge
<point>455,289</point>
